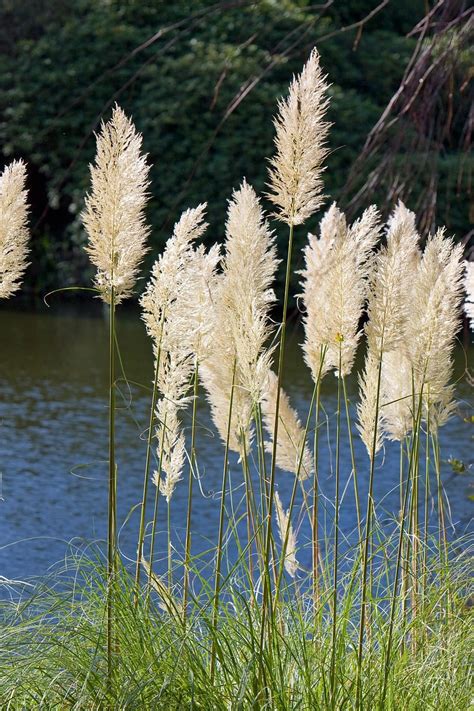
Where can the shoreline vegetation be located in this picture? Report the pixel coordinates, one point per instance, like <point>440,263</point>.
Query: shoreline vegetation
<point>378,621</point>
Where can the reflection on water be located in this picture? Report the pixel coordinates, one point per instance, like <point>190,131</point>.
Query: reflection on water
<point>53,441</point>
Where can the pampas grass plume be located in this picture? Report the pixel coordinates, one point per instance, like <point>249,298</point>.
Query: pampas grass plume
<point>240,315</point>
<point>114,216</point>
<point>335,282</point>
<point>301,131</point>
<point>13,228</point>
<point>290,432</point>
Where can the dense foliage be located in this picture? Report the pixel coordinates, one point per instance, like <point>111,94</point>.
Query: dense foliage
<point>63,64</point>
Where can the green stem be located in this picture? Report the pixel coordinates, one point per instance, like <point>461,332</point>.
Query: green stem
<point>141,532</point>
<point>427,498</point>
<point>266,603</point>
<point>403,516</point>
<point>315,511</point>
<point>353,462</point>
<point>336,537</point>
<point>187,552</point>
<point>217,579</point>
<point>112,500</point>
<point>155,509</point>
<point>293,497</point>
<point>168,521</point>
<point>368,536</point>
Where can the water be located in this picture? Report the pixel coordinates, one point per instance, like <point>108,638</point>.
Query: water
<point>53,442</point>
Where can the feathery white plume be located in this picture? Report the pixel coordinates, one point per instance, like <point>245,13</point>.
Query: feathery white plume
<point>301,131</point>
<point>469,286</point>
<point>165,312</point>
<point>240,321</point>
<point>397,386</point>
<point>390,281</point>
<point>388,311</point>
<point>335,283</point>
<point>396,397</point>
<point>169,273</point>
<point>13,228</point>
<point>435,311</point>
<point>114,216</point>
<point>286,529</point>
<point>291,434</point>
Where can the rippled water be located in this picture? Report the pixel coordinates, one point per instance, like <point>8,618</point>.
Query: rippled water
<point>53,441</point>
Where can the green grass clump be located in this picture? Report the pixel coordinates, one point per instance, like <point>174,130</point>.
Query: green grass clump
<point>53,647</point>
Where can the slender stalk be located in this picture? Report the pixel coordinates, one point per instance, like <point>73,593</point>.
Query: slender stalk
<point>264,486</point>
<point>112,500</point>
<point>443,540</point>
<point>155,509</point>
<point>293,497</point>
<point>336,537</point>
<point>403,516</point>
<point>414,537</point>
<point>443,545</point>
<point>168,526</point>
<point>217,579</point>
<point>192,464</point>
<point>353,462</point>
<point>266,603</point>
<point>426,504</point>
<point>315,512</point>
<point>146,476</point>
<point>368,536</point>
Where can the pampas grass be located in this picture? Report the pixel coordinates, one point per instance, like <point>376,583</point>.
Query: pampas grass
<point>115,224</point>
<point>114,216</point>
<point>251,622</point>
<point>301,131</point>
<point>14,232</point>
<point>292,452</point>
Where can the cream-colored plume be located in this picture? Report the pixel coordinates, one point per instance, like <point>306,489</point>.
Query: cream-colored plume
<point>335,283</point>
<point>170,273</point>
<point>388,310</point>
<point>291,434</point>
<point>390,283</point>
<point>173,383</point>
<point>114,216</point>
<point>435,311</point>
<point>240,319</point>
<point>397,397</point>
<point>469,286</point>
<point>14,231</point>
<point>301,131</point>
<point>287,534</point>
<point>166,314</point>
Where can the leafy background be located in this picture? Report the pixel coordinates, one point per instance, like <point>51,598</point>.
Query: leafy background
<point>201,81</point>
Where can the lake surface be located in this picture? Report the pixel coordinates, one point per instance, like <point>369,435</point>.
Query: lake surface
<point>54,434</point>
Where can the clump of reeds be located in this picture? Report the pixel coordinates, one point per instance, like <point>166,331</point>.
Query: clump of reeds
<point>267,632</point>
<point>14,231</point>
<point>114,220</point>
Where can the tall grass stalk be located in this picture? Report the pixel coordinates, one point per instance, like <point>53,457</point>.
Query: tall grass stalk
<point>192,473</point>
<point>336,536</point>
<point>267,606</point>
<point>353,463</point>
<point>220,535</point>
<point>315,510</point>
<point>367,540</point>
<point>293,498</point>
<point>399,559</point>
<point>155,510</point>
<point>146,475</point>
<point>112,496</point>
